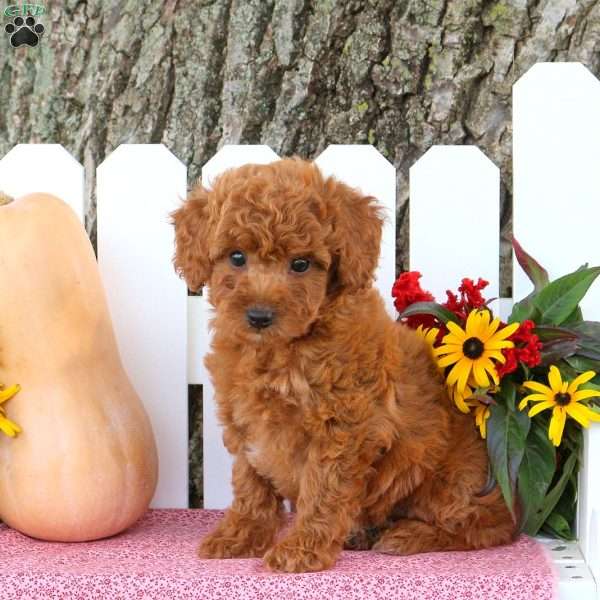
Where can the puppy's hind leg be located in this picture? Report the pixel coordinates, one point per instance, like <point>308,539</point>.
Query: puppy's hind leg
<point>409,536</point>
<point>486,524</point>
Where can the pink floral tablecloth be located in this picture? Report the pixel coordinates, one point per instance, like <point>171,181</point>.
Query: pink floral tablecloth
<point>156,559</point>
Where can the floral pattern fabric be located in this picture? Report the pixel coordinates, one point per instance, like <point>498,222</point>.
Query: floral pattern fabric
<point>156,559</point>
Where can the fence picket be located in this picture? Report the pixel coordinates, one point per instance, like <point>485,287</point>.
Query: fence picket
<point>48,168</point>
<point>137,187</point>
<point>556,145</point>
<point>235,155</point>
<point>364,168</point>
<point>217,461</point>
<point>454,219</point>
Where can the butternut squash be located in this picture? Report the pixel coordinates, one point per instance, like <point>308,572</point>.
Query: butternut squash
<point>85,463</point>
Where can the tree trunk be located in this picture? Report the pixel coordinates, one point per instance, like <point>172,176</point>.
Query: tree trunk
<point>297,75</point>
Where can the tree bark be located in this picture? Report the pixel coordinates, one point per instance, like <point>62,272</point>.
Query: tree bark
<point>297,75</point>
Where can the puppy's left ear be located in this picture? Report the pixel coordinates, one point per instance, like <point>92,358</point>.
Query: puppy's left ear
<point>355,236</point>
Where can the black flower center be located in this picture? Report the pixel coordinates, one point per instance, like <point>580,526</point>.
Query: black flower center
<point>473,348</point>
<point>562,399</point>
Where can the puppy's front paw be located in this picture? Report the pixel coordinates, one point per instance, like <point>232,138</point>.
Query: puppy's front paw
<point>289,557</point>
<point>217,545</point>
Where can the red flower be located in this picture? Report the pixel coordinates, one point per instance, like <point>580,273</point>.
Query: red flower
<point>406,291</point>
<point>470,298</point>
<point>511,363</point>
<point>453,303</point>
<point>527,349</point>
<point>471,292</point>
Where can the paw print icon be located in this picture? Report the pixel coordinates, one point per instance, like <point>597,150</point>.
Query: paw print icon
<point>24,31</point>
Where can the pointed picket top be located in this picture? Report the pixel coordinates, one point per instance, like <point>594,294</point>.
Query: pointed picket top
<point>141,157</point>
<point>454,219</point>
<point>567,77</point>
<point>137,188</point>
<point>363,167</point>
<point>556,150</point>
<point>49,168</point>
<point>235,155</point>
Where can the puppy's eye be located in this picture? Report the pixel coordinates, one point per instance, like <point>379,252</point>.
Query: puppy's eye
<point>299,265</point>
<point>237,258</point>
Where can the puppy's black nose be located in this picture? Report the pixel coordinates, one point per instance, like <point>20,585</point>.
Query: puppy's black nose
<point>259,318</point>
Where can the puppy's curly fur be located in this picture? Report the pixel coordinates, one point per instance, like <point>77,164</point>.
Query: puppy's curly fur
<point>334,405</point>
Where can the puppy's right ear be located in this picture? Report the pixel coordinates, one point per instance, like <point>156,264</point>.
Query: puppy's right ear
<point>191,223</point>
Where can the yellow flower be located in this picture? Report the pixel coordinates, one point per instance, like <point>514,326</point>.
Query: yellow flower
<point>6,425</point>
<point>465,401</point>
<point>482,414</point>
<point>9,392</point>
<point>429,335</point>
<point>460,398</point>
<point>471,350</point>
<point>564,399</point>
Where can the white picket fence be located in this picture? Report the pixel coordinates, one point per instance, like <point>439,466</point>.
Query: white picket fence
<point>454,233</point>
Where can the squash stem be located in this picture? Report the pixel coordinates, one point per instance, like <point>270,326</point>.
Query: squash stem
<point>5,199</point>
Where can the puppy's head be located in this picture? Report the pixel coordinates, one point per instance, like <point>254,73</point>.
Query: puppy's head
<point>275,243</point>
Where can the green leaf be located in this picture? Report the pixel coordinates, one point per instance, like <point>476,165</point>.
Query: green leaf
<point>506,434</point>
<point>561,521</point>
<point>589,350</point>
<point>547,333</point>
<point>572,440</point>
<point>552,352</point>
<point>589,332</point>
<point>559,527</point>
<point>429,308</point>
<point>587,328</point>
<point>535,475</point>
<point>524,309</point>
<point>582,364</point>
<point>508,391</point>
<point>536,273</point>
<point>558,342</point>
<point>555,493</point>
<point>566,370</point>
<point>575,317</point>
<point>561,297</point>
<point>566,507</point>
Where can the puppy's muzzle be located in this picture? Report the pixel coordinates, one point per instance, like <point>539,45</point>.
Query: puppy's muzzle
<point>260,318</point>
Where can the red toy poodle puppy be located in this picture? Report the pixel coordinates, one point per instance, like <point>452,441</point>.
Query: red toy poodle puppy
<point>324,399</point>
